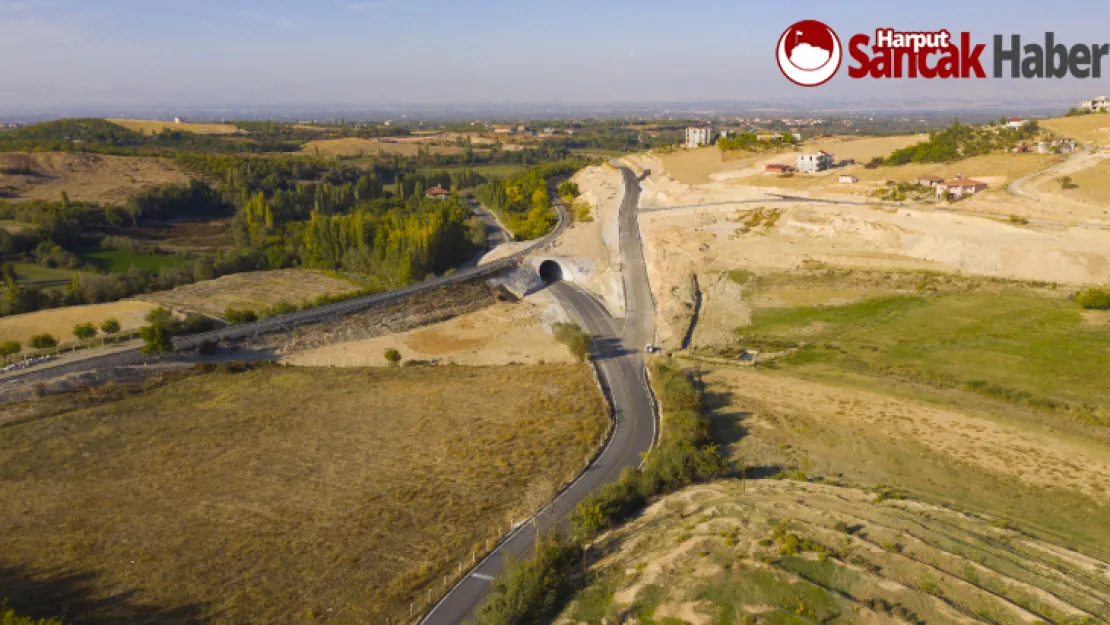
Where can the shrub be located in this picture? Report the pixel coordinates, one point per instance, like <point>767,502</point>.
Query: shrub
<point>577,341</point>
<point>84,331</point>
<point>110,326</point>
<point>392,356</point>
<point>158,336</point>
<point>43,341</point>
<point>236,317</point>
<point>9,617</point>
<point>9,348</point>
<point>530,590</point>
<point>1094,299</point>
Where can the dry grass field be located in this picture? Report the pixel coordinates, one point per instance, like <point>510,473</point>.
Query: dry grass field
<point>352,146</point>
<point>86,177</point>
<point>282,494</point>
<point>699,166</point>
<point>1092,184</point>
<point>779,552</point>
<point>59,322</point>
<point>1084,128</point>
<point>255,291</point>
<point>147,127</point>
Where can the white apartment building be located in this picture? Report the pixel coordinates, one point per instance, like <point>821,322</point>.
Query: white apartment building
<point>815,162</point>
<point>1101,103</point>
<point>698,136</point>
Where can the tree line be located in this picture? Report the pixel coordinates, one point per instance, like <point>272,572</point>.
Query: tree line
<point>523,202</point>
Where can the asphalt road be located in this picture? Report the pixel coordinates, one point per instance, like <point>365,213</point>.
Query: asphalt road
<point>618,354</point>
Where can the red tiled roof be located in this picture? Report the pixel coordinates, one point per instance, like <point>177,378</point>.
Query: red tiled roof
<point>438,191</point>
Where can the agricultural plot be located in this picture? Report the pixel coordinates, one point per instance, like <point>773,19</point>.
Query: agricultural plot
<point>254,291</point>
<point>215,498</point>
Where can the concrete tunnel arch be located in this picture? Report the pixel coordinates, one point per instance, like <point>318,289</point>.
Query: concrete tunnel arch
<point>551,272</point>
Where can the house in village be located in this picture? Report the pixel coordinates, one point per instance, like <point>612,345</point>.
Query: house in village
<point>437,193</point>
<point>929,181</point>
<point>959,187</point>
<point>778,168</point>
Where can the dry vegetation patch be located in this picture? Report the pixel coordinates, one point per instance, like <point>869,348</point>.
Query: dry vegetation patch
<point>255,291</point>
<point>146,127</point>
<point>85,177</point>
<point>795,552</point>
<point>284,494</point>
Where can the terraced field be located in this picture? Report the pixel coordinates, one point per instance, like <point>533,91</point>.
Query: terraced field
<point>799,552</point>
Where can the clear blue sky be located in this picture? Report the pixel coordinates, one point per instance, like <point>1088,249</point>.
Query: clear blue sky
<point>212,52</point>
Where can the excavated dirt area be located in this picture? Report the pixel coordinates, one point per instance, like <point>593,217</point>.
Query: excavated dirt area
<point>694,234</point>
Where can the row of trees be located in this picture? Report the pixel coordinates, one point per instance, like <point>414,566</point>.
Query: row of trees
<point>81,331</point>
<point>962,141</point>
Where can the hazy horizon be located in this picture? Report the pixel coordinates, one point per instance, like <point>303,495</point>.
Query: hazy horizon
<point>66,54</point>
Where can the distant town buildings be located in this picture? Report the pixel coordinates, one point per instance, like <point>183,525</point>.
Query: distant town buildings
<point>179,120</point>
<point>959,187</point>
<point>1056,146</point>
<point>1094,105</point>
<point>815,162</point>
<point>698,136</point>
<point>1016,122</point>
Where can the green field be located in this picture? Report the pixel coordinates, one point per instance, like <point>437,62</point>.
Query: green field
<point>1023,348</point>
<point>117,261</point>
<point>42,277</point>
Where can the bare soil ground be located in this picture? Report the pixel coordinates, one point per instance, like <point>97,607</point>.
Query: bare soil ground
<point>255,291</point>
<point>797,552</point>
<point>151,126</point>
<point>398,317</point>
<point>596,241</point>
<point>85,177</point>
<point>59,322</point>
<point>282,494</point>
<point>505,333</point>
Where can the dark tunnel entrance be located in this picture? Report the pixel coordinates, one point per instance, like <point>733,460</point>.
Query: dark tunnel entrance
<point>550,272</point>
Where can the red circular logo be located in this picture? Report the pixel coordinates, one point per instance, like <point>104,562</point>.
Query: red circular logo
<point>809,53</point>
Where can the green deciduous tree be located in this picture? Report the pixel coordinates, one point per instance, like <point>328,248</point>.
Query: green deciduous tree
<point>43,341</point>
<point>84,331</point>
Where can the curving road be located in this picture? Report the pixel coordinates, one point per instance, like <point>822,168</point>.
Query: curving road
<point>618,354</point>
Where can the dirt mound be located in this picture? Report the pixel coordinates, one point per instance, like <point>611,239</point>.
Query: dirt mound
<point>780,551</point>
